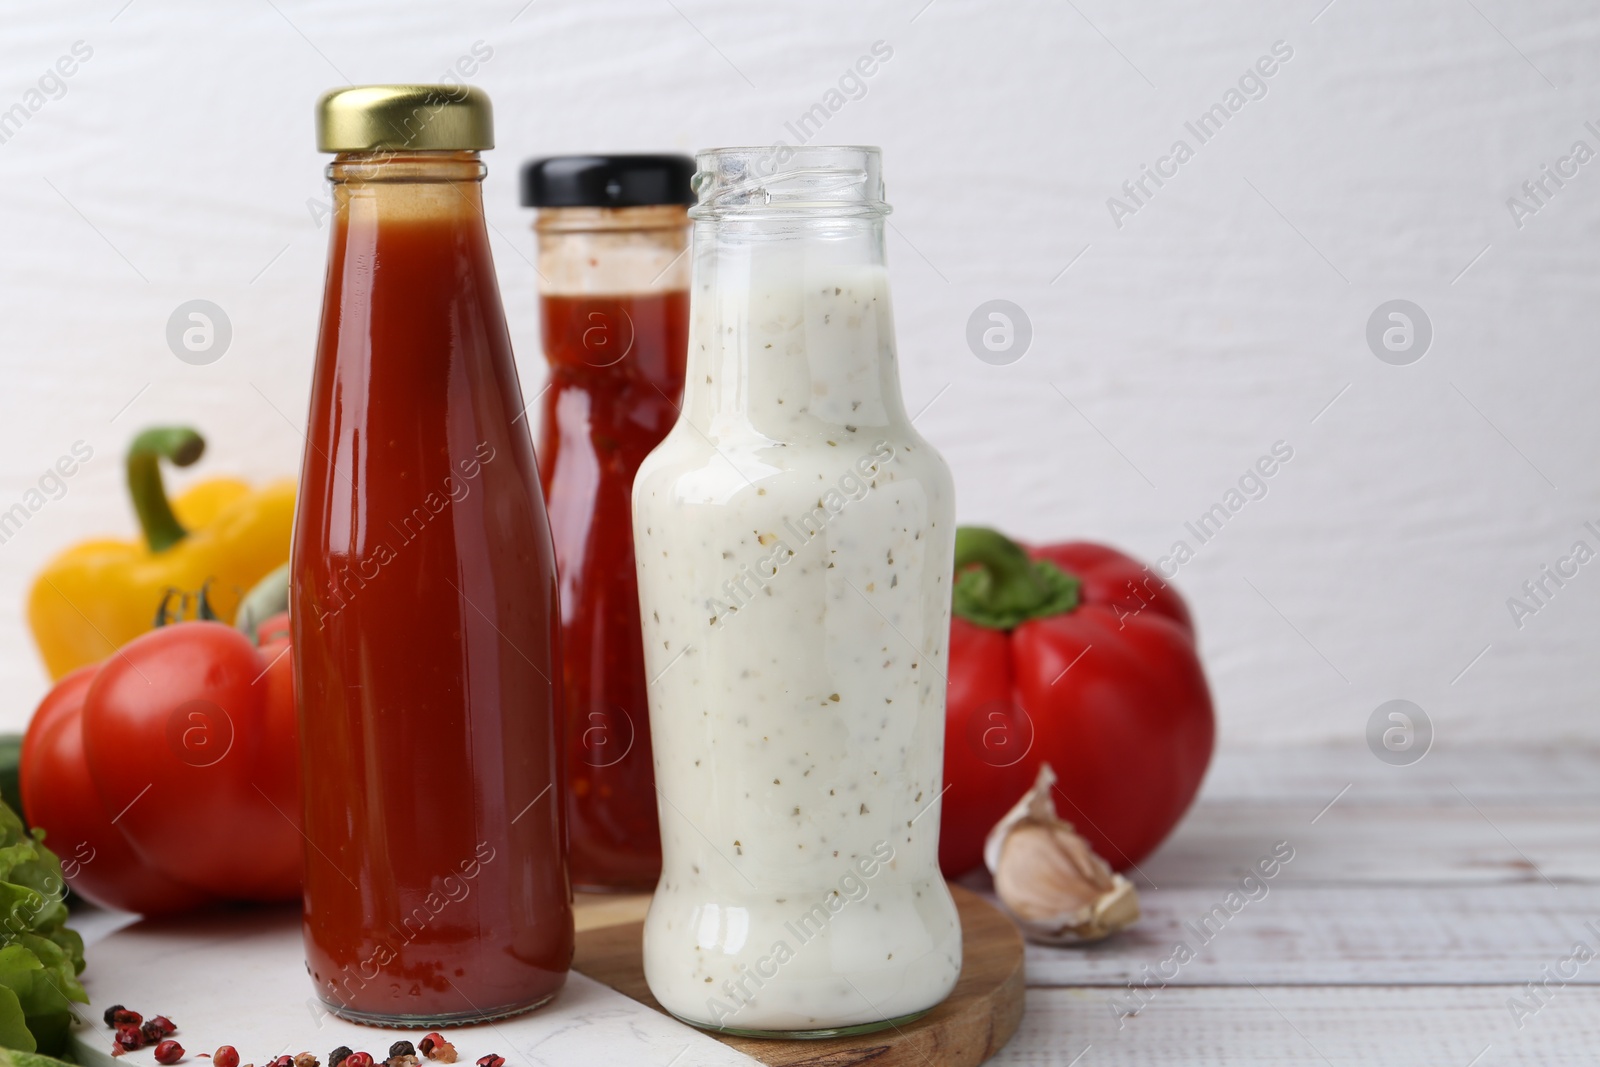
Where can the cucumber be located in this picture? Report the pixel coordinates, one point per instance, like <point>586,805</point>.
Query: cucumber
<point>10,765</point>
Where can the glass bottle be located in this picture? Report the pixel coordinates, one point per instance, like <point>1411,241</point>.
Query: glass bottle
<point>424,596</point>
<point>795,544</point>
<point>614,304</point>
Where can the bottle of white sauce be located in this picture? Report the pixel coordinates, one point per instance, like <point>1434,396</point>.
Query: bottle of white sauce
<point>795,541</point>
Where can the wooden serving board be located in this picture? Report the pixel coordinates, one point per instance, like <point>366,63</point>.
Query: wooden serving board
<point>973,1023</point>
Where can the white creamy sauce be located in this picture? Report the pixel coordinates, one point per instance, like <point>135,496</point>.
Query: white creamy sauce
<point>795,539</point>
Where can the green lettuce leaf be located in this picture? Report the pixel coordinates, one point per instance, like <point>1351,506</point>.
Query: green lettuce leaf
<point>40,959</point>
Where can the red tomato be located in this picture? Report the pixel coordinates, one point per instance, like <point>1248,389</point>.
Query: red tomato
<point>59,796</point>
<point>1109,691</point>
<point>189,734</point>
<point>273,630</point>
<point>277,769</point>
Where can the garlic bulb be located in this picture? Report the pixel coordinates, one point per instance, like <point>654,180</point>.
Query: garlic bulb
<point>1048,877</point>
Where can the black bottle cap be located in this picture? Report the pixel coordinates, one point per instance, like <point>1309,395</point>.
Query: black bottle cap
<point>607,181</point>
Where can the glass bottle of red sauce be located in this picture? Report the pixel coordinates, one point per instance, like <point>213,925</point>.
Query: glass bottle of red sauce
<point>614,298</point>
<point>424,596</point>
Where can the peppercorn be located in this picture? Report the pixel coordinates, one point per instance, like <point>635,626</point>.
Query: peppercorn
<point>117,1015</point>
<point>226,1056</point>
<point>435,1047</point>
<point>491,1060</point>
<point>358,1059</point>
<point>306,1059</point>
<point>338,1055</point>
<point>163,1024</point>
<point>129,1037</point>
<point>169,1052</point>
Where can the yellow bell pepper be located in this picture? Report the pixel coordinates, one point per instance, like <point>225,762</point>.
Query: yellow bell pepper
<point>221,534</point>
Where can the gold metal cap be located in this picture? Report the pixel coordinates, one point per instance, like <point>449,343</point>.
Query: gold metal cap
<point>405,118</point>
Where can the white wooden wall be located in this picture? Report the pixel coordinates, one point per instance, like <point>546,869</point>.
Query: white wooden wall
<point>1227,313</point>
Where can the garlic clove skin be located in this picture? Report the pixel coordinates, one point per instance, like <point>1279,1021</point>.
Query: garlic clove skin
<point>1050,880</point>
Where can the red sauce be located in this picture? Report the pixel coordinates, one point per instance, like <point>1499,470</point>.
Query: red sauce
<point>616,381</point>
<point>424,610</point>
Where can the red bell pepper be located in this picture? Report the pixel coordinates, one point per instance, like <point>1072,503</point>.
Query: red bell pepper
<point>1081,657</point>
<point>169,775</point>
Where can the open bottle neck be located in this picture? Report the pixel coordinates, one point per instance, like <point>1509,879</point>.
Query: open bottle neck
<point>791,327</point>
<point>779,181</point>
<point>791,332</point>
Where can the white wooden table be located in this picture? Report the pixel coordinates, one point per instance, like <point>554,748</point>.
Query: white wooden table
<point>1419,903</point>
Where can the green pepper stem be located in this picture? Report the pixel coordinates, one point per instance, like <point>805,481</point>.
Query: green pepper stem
<point>265,599</point>
<point>999,587</point>
<point>182,446</point>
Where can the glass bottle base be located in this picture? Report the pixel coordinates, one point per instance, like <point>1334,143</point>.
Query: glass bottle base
<point>418,1022</point>
<point>808,1035</point>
